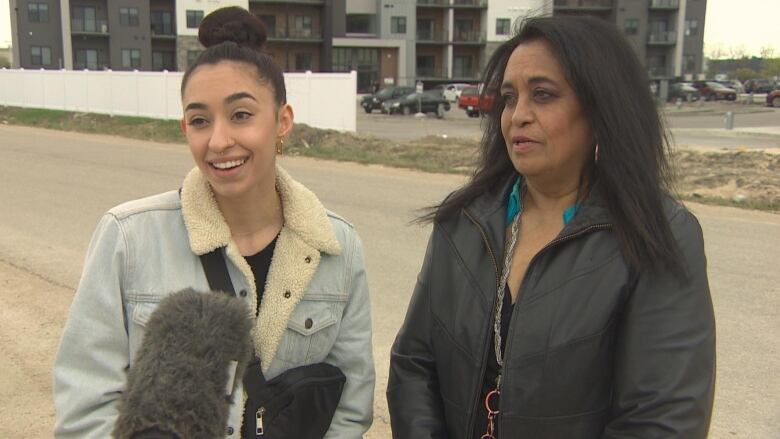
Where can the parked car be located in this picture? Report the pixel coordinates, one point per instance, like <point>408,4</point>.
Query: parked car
<point>711,90</point>
<point>470,101</point>
<point>735,84</point>
<point>685,91</point>
<point>374,101</point>
<point>773,98</point>
<point>759,85</point>
<point>426,102</point>
<point>452,91</point>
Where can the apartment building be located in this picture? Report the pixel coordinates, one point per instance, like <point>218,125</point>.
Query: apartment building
<point>667,34</point>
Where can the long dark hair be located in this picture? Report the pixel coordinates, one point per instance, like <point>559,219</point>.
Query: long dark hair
<point>235,34</point>
<point>633,170</point>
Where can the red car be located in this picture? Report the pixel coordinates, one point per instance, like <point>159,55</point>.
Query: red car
<point>773,98</point>
<point>470,101</point>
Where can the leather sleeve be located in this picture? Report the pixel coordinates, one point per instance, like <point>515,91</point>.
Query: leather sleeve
<point>665,349</point>
<point>413,397</point>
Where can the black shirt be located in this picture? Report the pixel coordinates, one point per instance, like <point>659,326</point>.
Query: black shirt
<point>260,262</point>
<point>491,371</point>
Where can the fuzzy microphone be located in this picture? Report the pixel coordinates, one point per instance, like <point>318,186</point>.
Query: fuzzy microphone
<point>192,356</point>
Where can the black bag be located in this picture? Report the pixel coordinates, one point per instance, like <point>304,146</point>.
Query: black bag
<point>299,403</point>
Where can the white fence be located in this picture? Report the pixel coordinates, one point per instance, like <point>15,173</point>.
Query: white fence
<point>322,100</point>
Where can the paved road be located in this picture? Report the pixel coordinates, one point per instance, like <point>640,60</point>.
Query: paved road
<point>689,127</point>
<point>56,185</point>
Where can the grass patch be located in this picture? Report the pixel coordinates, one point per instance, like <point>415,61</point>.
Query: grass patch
<point>718,178</point>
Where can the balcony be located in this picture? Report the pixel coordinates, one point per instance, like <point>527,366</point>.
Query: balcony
<point>163,35</point>
<point>299,35</point>
<point>429,36</point>
<point>668,38</point>
<point>434,3</point>
<point>469,4</point>
<point>583,5</point>
<point>665,5</point>
<point>79,26</point>
<point>430,73</point>
<point>468,37</point>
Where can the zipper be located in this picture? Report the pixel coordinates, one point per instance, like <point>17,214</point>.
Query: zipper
<point>549,245</point>
<point>259,430</point>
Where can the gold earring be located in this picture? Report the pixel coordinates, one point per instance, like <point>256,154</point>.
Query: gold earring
<point>280,147</point>
<point>596,155</point>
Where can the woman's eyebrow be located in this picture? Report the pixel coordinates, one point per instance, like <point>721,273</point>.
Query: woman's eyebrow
<point>240,95</point>
<point>195,106</point>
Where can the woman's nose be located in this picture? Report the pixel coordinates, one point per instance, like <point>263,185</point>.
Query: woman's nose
<point>221,138</point>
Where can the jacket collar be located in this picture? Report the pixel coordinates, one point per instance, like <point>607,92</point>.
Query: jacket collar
<point>303,214</point>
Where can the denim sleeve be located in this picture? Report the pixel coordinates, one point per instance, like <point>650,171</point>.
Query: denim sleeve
<point>89,369</point>
<point>352,352</point>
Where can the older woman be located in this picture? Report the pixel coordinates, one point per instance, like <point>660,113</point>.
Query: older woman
<point>564,293</point>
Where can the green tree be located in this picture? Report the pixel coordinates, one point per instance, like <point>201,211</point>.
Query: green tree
<point>745,73</point>
<point>771,67</point>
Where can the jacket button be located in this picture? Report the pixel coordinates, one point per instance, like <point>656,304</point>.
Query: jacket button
<point>309,323</point>
<point>307,259</point>
<point>287,294</point>
<point>230,431</point>
<point>242,293</point>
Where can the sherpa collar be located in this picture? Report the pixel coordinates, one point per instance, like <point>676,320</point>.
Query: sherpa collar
<point>303,214</point>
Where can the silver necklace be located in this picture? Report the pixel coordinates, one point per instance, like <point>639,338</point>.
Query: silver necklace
<point>500,300</point>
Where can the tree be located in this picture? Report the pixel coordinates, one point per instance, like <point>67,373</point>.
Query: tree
<point>771,68</point>
<point>716,51</point>
<point>767,52</point>
<point>737,51</point>
<point>745,73</point>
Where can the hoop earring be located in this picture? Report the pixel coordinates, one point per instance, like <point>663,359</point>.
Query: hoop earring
<point>280,147</point>
<point>596,155</point>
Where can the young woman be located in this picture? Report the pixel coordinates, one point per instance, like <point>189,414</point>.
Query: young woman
<point>564,293</point>
<point>297,264</point>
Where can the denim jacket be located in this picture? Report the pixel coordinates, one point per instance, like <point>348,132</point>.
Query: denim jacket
<point>315,307</point>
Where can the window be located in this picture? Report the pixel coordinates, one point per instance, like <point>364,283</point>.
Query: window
<point>162,22</point>
<point>364,60</point>
<point>84,19</point>
<point>303,25</point>
<point>40,55</point>
<point>192,56</point>
<point>502,26</point>
<point>691,27</point>
<point>631,26</point>
<point>359,23</point>
<point>163,60</point>
<point>398,25</point>
<point>128,16</point>
<point>461,66</point>
<point>194,18</point>
<point>270,24</point>
<point>38,13</point>
<point>689,63</point>
<point>86,59</point>
<point>426,65</point>
<point>302,61</point>
<point>425,29</point>
<point>464,30</point>
<point>131,58</point>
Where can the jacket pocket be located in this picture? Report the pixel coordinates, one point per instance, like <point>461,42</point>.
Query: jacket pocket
<point>311,331</point>
<point>140,311</point>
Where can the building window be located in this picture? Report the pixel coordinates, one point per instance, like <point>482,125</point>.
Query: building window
<point>128,16</point>
<point>398,25</point>
<point>163,60</point>
<point>502,26</point>
<point>38,13</point>
<point>464,30</point>
<point>426,29</point>
<point>426,65</point>
<point>194,18</point>
<point>302,26</point>
<point>691,27</point>
<point>131,58</point>
<point>40,55</point>
<point>462,66</point>
<point>192,56</point>
<point>302,62</point>
<point>162,22</point>
<point>689,63</point>
<point>631,26</point>
<point>86,59</point>
<point>84,19</point>
<point>358,24</point>
<point>363,60</point>
<point>270,24</point>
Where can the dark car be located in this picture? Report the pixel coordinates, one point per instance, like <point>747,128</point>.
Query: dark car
<point>425,102</point>
<point>773,98</point>
<point>759,85</point>
<point>374,101</point>
<point>470,101</point>
<point>685,91</point>
<point>711,90</point>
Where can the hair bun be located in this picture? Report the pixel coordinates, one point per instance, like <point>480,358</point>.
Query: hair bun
<point>232,24</point>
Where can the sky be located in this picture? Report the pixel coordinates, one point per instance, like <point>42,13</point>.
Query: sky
<point>750,24</point>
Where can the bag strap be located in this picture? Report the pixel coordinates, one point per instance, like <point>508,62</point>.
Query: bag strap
<point>216,272</point>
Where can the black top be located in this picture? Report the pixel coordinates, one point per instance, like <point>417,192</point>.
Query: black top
<point>491,371</point>
<point>260,262</point>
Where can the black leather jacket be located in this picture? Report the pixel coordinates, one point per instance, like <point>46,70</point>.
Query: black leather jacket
<point>593,350</point>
